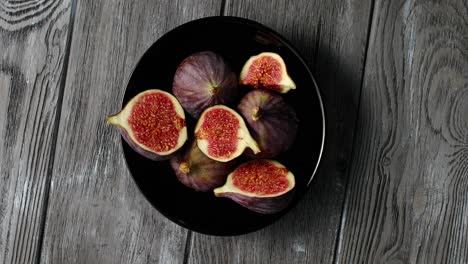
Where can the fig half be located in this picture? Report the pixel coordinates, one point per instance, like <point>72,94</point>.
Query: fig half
<point>153,124</point>
<point>204,79</point>
<point>195,170</point>
<point>272,122</point>
<point>263,186</point>
<point>267,70</point>
<point>222,135</point>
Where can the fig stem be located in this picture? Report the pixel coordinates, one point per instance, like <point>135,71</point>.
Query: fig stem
<point>184,167</point>
<point>252,144</point>
<point>113,120</point>
<point>213,89</point>
<point>256,113</point>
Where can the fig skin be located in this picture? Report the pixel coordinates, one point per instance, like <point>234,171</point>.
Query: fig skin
<point>195,170</point>
<point>263,204</point>
<point>271,205</point>
<point>121,121</point>
<point>272,122</point>
<point>202,80</point>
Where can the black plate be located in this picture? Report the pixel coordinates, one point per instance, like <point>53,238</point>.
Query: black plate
<point>236,39</point>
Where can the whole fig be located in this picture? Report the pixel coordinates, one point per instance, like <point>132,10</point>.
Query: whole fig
<point>272,122</point>
<point>202,80</point>
<point>197,171</point>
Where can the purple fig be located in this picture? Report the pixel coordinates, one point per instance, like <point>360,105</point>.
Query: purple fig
<point>153,124</point>
<point>222,135</point>
<point>272,122</point>
<point>197,171</point>
<point>263,186</point>
<point>267,70</point>
<point>202,80</point>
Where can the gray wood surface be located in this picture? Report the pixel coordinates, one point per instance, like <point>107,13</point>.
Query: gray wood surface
<point>332,36</point>
<point>407,200</point>
<point>392,187</point>
<point>95,213</point>
<point>33,51</point>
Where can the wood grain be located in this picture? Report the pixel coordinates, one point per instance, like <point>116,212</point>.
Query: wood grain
<point>17,15</point>
<point>96,213</point>
<point>407,200</point>
<point>33,48</point>
<point>332,36</point>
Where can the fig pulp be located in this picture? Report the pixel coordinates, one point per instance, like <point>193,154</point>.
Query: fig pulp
<point>263,186</point>
<point>267,70</point>
<point>195,170</point>
<point>222,135</point>
<point>153,124</point>
<point>204,79</point>
<point>272,122</point>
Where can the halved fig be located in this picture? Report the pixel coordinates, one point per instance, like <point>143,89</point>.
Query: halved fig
<point>222,135</point>
<point>263,186</point>
<point>153,124</point>
<point>272,122</point>
<point>202,80</point>
<point>267,70</point>
<point>195,170</point>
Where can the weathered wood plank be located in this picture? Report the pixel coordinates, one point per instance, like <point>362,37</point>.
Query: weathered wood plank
<point>33,48</point>
<point>407,201</point>
<point>96,214</point>
<point>332,36</point>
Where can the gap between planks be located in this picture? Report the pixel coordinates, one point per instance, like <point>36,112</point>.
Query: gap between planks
<point>343,206</point>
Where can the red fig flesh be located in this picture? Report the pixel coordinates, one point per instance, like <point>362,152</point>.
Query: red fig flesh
<point>153,124</point>
<point>272,122</point>
<point>267,70</point>
<point>222,135</point>
<point>263,186</point>
<point>204,79</point>
<point>195,170</point>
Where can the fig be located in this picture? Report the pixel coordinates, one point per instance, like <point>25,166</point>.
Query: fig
<point>195,170</point>
<point>263,186</point>
<point>202,80</point>
<point>153,124</point>
<point>222,135</point>
<point>267,70</point>
<point>272,122</point>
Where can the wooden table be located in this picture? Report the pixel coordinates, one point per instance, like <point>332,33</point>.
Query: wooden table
<point>393,185</point>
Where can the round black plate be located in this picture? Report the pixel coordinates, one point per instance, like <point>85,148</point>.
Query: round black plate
<point>235,39</point>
